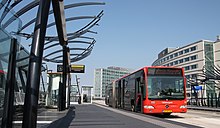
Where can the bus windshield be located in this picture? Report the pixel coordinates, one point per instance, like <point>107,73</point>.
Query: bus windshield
<point>165,87</point>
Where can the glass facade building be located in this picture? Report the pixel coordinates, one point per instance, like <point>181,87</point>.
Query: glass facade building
<point>103,77</point>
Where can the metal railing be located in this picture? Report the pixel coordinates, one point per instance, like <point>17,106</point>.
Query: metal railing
<point>212,100</point>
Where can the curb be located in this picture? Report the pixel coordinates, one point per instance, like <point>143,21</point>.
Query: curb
<point>204,108</point>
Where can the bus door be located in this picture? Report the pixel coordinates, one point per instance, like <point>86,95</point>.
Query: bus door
<point>122,93</point>
<point>138,95</point>
<point>119,95</point>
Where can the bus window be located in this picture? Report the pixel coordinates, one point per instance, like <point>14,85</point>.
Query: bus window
<point>165,87</point>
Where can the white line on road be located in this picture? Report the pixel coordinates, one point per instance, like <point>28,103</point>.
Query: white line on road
<point>38,122</point>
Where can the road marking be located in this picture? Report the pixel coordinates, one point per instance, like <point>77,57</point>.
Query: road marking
<point>38,122</point>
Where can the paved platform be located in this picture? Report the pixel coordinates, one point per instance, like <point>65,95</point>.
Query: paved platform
<point>100,116</point>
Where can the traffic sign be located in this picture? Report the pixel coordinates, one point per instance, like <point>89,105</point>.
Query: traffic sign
<point>59,68</point>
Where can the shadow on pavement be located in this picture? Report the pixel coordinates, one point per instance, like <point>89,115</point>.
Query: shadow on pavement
<point>65,121</point>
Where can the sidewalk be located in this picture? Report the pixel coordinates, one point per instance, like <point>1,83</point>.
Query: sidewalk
<point>204,108</point>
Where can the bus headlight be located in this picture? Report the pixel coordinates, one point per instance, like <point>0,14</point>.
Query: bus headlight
<point>183,106</point>
<point>149,107</point>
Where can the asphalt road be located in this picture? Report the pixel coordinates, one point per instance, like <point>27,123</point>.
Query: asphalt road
<point>98,116</point>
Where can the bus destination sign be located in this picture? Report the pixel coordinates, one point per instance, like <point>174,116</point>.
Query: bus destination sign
<point>164,72</point>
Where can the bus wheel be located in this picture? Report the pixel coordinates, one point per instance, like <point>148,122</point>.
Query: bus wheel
<point>132,108</point>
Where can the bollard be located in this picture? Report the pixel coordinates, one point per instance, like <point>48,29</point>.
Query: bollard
<point>216,100</point>
<point>212,100</point>
<point>208,99</point>
<point>219,99</point>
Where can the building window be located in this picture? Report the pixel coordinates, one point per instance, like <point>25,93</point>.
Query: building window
<point>194,66</point>
<point>168,58</point>
<point>176,54</point>
<point>176,62</point>
<point>181,52</point>
<point>193,48</point>
<point>181,61</point>
<point>171,64</point>
<point>186,59</point>
<point>193,57</point>
<point>187,68</point>
<point>171,56</point>
<point>186,50</point>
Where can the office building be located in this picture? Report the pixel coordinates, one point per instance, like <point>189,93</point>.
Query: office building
<point>199,60</point>
<point>103,77</point>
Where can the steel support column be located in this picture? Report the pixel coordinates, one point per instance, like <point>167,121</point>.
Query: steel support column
<point>60,95</point>
<point>9,89</point>
<point>58,9</point>
<point>65,70</point>
<point>69,77</point>
<point>60,20</point>
<point>69,90</point>
<point>34,70</point>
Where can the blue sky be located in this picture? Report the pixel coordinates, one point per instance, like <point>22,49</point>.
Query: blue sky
<point>133,32</point>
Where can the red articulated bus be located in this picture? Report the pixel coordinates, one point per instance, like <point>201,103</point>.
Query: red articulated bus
<point>150,90</point>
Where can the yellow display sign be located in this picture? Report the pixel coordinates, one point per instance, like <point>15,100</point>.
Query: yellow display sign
<point>76,68</point>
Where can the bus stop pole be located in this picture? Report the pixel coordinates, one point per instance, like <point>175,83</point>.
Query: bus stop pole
<point>34,69</point>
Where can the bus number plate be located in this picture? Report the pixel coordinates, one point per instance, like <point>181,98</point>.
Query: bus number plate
<point>167,111</point>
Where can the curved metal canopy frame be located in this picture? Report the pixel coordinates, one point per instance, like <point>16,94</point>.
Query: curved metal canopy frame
<point>78,34</point>
<point>78,56</point>
<point>38,44</point>
<point>35,3</point>
<point>81,31</point>
<point>27,35</point>
<point>65,7</point>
